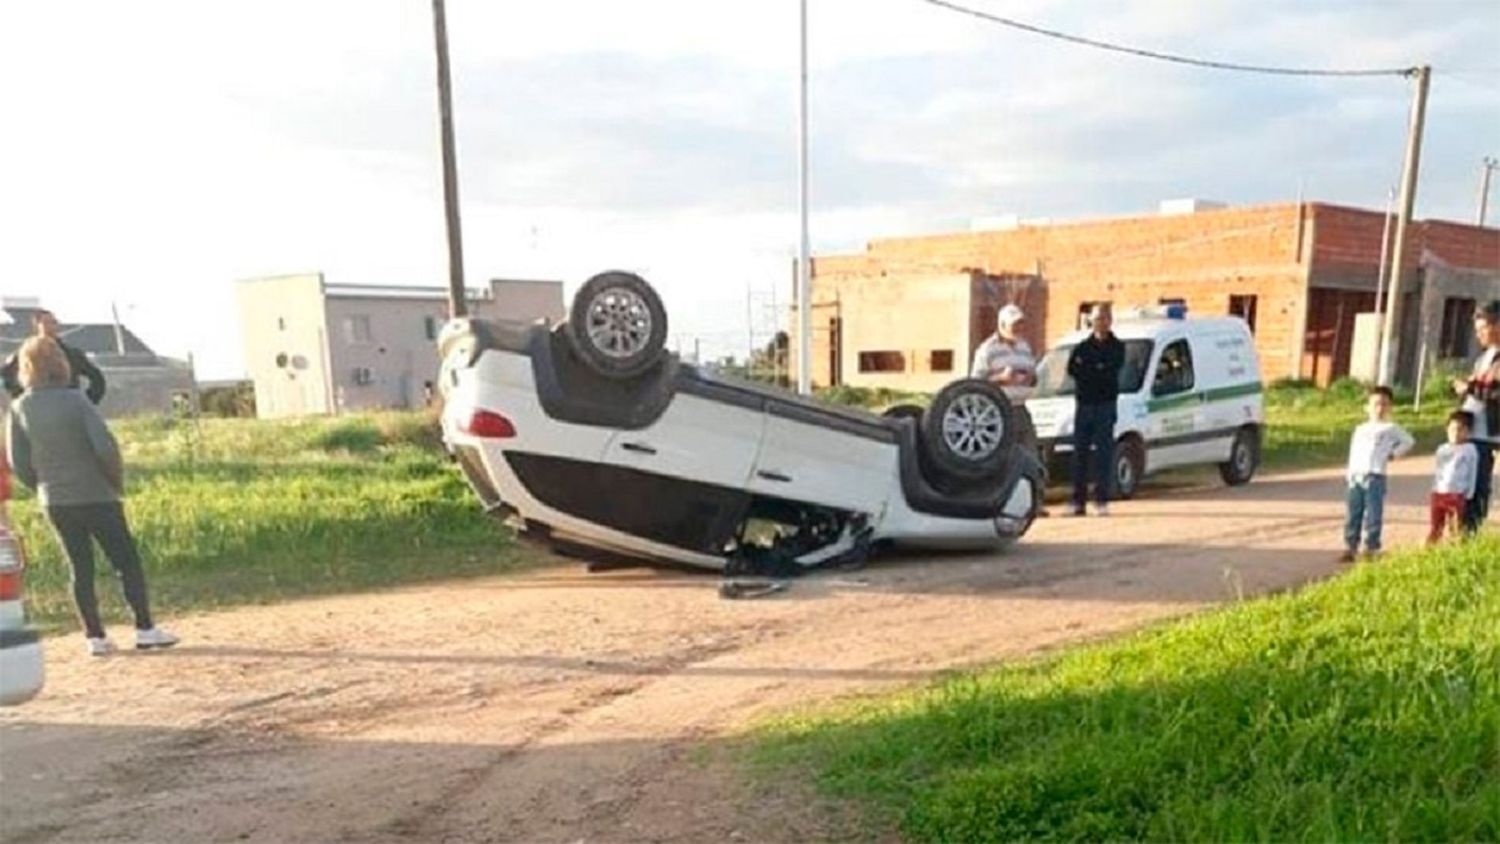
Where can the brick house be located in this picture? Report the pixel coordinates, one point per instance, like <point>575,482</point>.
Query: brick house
<point>908,312</point>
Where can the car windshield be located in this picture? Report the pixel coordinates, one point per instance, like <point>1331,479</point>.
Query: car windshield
<point>1052,377</point>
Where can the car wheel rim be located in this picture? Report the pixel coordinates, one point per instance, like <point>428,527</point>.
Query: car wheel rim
<point>1125,474</point>
<point>973,427</point>
<point>619,322</point>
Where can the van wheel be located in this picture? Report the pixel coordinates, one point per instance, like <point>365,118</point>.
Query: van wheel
<point>618,325</point>
<point>1130,465</point>
<point>968,430</point>
<point>1244,458</point>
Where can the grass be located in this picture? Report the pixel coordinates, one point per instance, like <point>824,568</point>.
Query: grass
<point>1366,708</point>
<point>255,511</point>
<point>1307,426</point>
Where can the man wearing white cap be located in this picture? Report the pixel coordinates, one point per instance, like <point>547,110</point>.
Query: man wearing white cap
<point>1005,359</point>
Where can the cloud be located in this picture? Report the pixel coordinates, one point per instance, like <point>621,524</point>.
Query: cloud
<point>165,147</point>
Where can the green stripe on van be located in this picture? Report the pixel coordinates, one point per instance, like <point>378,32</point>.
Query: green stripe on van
<point>1203,396</point>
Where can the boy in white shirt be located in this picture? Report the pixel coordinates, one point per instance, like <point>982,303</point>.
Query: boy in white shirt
<point>1456,477</point>
<point>1371,448</point>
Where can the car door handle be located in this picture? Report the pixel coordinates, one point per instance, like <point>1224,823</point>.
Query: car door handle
<point>774,476</point>
<point>638,448</point>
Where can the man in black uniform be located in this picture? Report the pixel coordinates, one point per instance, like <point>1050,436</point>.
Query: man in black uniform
<point>44,324</point>
<point>1095,366</point>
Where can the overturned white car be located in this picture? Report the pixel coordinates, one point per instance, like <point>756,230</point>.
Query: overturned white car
<point>590,437</point>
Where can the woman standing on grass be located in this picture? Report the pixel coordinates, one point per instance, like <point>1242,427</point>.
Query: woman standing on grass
<point>59,445</point>
<point>1480,393</point>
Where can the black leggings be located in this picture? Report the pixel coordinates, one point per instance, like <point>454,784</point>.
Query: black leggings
<point>1479,506</point>
<point>77,526</point>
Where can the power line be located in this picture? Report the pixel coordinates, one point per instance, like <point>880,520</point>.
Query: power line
<point>1166,57</point>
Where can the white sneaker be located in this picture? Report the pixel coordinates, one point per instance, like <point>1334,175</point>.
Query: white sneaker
<point>154,638</point>
<point>100,646</point>
<point>1101,509</point>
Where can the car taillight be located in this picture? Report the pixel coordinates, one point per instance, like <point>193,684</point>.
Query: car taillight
<point>489,424</point>
<point>10,584</point>
<point>12,563</point>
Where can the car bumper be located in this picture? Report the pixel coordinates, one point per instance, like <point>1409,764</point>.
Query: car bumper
<point>21,672</point>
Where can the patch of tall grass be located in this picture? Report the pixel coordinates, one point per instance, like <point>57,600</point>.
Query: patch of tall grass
<point>237,511</point>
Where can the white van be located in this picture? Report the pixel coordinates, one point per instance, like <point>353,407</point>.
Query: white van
<point>1190,394</point>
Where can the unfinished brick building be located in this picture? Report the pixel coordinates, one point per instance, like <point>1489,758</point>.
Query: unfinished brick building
<point>908,312</point>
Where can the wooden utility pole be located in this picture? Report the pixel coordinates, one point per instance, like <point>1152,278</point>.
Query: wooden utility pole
<point>1488,166</point>
<point>1390,347</point>
<point>804,286</point>
<point>457,303</point>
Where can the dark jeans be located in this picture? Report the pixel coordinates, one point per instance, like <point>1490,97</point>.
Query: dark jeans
<point>1364,506</point>
<point>1093,431</point>
<point>78,526</point>
<point>1479,506</point>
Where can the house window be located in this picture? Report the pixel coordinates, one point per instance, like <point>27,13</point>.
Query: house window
<point>882,362</point>
<point>940,360</point>
<point>430,327</point>
<point>362,376</point>
<point>356,329</point>
<point>281,323</point>
<point>1174,372</point>
<point>1458,321</point>
<point>1244,308</point>
<point>1172,300</point>
<point>1085,307</point>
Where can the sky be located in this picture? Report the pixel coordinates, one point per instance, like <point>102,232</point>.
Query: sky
<point>156,151</point>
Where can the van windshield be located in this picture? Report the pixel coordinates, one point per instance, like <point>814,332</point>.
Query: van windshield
<point>1052,377</point>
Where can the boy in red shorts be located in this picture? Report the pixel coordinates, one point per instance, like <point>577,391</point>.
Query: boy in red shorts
<point>1454,481</point>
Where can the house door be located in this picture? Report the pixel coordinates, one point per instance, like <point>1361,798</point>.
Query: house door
<point>1329,340</point>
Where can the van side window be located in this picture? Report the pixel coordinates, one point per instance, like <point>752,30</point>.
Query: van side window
<point>1174,372</point>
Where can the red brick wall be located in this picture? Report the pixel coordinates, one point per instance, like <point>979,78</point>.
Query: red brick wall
<point>1203,258</point>
<point>1347,243</point>
<point>1273,252</point>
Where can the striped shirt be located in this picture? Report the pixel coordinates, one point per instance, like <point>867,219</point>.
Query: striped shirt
<point>995,354</point>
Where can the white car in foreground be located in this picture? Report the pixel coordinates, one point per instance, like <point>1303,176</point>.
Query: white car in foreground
<point>589,437</point>
<point>20,650</point>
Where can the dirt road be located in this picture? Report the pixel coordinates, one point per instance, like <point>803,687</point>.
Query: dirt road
<point>563,706</point>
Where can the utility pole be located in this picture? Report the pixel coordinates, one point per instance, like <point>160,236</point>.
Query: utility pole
<point>1486,167</point>
<point>114,311</point>
<point>1389,352</point>
<point>804,287</point>
<point>457,304</point>
<point>1380,280</point>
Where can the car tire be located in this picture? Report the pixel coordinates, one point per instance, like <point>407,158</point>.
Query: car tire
<point>1244,458</point>
<point>1130,465</point>
<point>617,325</point>
<point>968,431</point>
